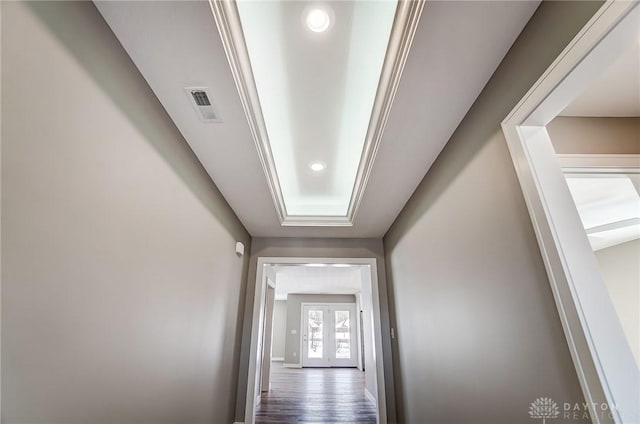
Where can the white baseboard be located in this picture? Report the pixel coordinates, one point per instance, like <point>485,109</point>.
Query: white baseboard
<point>370,397</point>
<point>278,359</point>
<point>238,422</point>
<point>292,365</point>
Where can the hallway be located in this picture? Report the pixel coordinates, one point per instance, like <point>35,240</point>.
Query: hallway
<point>447,192</point>
<point>315,395</point>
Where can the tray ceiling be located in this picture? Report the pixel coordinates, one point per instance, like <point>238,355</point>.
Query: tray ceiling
<point>316,81</point>
<point>419,100</point>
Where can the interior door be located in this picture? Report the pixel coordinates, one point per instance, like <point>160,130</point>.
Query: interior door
<point>329,335</point>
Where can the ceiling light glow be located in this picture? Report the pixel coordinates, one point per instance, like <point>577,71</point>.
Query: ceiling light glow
<point>318,20</point>
<point>323,195</point>
<point>317,166</point>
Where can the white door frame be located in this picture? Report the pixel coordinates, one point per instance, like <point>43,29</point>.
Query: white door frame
<point>354,339</point>
<point>606,369</point>
<point>257,327</point>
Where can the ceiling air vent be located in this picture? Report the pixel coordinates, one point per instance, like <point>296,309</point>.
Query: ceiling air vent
<point>202,104</point>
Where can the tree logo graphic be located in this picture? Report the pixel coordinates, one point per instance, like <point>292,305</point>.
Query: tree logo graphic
<point>544,408</point>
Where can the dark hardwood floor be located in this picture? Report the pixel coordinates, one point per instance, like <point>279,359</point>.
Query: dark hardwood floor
<point>315,395</point>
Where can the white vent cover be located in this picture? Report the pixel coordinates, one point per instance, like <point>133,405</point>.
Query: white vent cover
<point>202,104</point>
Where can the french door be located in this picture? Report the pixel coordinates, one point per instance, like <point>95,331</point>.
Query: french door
<point>329,335</point>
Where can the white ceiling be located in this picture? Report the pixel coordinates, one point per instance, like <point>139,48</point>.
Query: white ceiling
<point>616,93</point>
<point>609,207</point>
<point>456,48</point>
<point>300,279</point>
<point>316,92</point>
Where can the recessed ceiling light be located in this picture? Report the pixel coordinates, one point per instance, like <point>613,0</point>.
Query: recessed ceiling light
<point>318,20</point>
<point>317,166</point>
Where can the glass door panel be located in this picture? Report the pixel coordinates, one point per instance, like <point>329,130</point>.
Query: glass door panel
<point>315,336</point>
<point>343,334</point>
<point>315,321</point>
<point>344,350</point>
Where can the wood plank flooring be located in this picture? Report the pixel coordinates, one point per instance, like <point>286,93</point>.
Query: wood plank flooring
<point>315,395</point>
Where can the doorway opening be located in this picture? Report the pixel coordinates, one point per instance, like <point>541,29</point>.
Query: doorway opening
<point>582,202</point>
<point>316,350</point>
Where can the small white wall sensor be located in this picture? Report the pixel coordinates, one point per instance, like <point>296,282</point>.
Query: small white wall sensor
<point>239,249</point>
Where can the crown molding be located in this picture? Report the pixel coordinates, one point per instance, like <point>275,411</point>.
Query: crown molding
<point>405,23</point>
<point>404,27</point>
<point>600,163</point>
<point>227,20</point>
<point>316,221</point>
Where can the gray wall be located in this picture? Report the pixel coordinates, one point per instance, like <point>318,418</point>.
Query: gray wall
<point>294,306</point>
<point>478,333</point>
<point>595,135</point>
<point>121,292</point>
<point>268,332</point>
<point>366,298</point>
<point>620,268</point>
<point>279,328</point>
<point>315,248</point>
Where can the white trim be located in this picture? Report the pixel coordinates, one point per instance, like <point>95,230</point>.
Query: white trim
<point>370,397</point>
<point>403,30</point>
<point>550,95</point>
<point>227,20</point>
<point>316,221</point>
<point>358,296</point>
<point>277,359</point>
<point>285,365</point>
<point>599,163</point>
<point>258,317</point>
<point>604,363</point>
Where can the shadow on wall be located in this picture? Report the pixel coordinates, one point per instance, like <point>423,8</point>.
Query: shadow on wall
<point>522,66</point>
<point>105,61</point>
<point>133,96</point>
